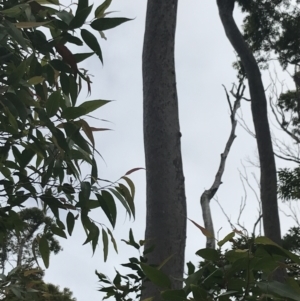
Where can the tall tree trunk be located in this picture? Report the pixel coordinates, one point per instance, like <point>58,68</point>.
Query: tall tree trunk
<point>166,204</point>
<point>268,180</point>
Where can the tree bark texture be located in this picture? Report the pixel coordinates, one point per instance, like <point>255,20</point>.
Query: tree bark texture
<point>166,203</point>
<point>268,177</point>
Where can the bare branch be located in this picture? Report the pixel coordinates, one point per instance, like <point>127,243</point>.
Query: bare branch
<point>256,223</point>
<point>225,214</point>
<point>209,194</point>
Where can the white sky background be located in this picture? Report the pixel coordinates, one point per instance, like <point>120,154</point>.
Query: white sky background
<point>203,63</point>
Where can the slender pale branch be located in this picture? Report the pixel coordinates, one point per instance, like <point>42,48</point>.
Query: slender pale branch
<point>207,195</point>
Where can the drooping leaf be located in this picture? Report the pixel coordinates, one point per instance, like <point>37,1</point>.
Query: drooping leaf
<point>131,185</point>
<point>80,17</point>
<point>108,205</point>
<point>121,198</point>
<point>113,240</point>
<point>88,131</point>
<point>44,250</point>
<point>125,192</point>
<point>53,103</point>
<point>92,42</point>
<point>105,244</point>
<point>67,57</point>
<point>70,222</point>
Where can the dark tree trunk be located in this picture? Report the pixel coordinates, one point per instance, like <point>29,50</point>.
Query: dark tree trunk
<point>166,204</point>
<point>268,180</point>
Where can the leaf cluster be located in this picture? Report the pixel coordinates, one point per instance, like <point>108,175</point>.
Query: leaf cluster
<point>272,27</point>
<point>244,272</point>
<point>27,284</point>
<point>45,139</point>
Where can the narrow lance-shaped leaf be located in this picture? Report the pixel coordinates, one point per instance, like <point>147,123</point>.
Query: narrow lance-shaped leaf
<point>100,10</point>
<point>131,185</point>
<point>87,130</point>
<point>95,239</point>
<point>92,42</point>
<point>58,231</point>
<point>44,250</point>
<point>79,57</point>
<point>125,192</point>
<point>107,23</point>
<point>133,170</point>
<point>53,103</point>
<point>80,17</point>
<point>108,205</point>
<point>121,198</point>
<point>85,108</point>
<point>113,240</point>
<point>105,244</point>
<point>15,33</point>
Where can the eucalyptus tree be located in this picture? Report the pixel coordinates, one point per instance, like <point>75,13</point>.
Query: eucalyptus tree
<point>166,204</point>
<point>268,177</point>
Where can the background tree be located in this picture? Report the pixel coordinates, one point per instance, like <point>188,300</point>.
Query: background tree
<point>166,205</point>
<point>21,249</point>
<point>20,255</point>
<point>270,29</point>
<point>24,284</point>
<point>268,178</point>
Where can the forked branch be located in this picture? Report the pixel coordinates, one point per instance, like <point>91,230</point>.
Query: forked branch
<point>207,195</point>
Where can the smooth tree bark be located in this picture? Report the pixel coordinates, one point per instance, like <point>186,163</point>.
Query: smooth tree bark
<point>208,194</point>
<point>166,203</point>
<point>268,177</point>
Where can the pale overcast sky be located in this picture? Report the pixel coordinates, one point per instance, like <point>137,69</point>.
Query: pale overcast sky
<point>204,60</point>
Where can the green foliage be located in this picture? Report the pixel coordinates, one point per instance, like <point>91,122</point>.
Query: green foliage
<point>241,273</point>
<point>46,140</point>
<point>22,247</point>
<point>289,180</point>
<point>127,287</point>
<point>272,27</point>
<point>27,284</point>
<point>21,251</point>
